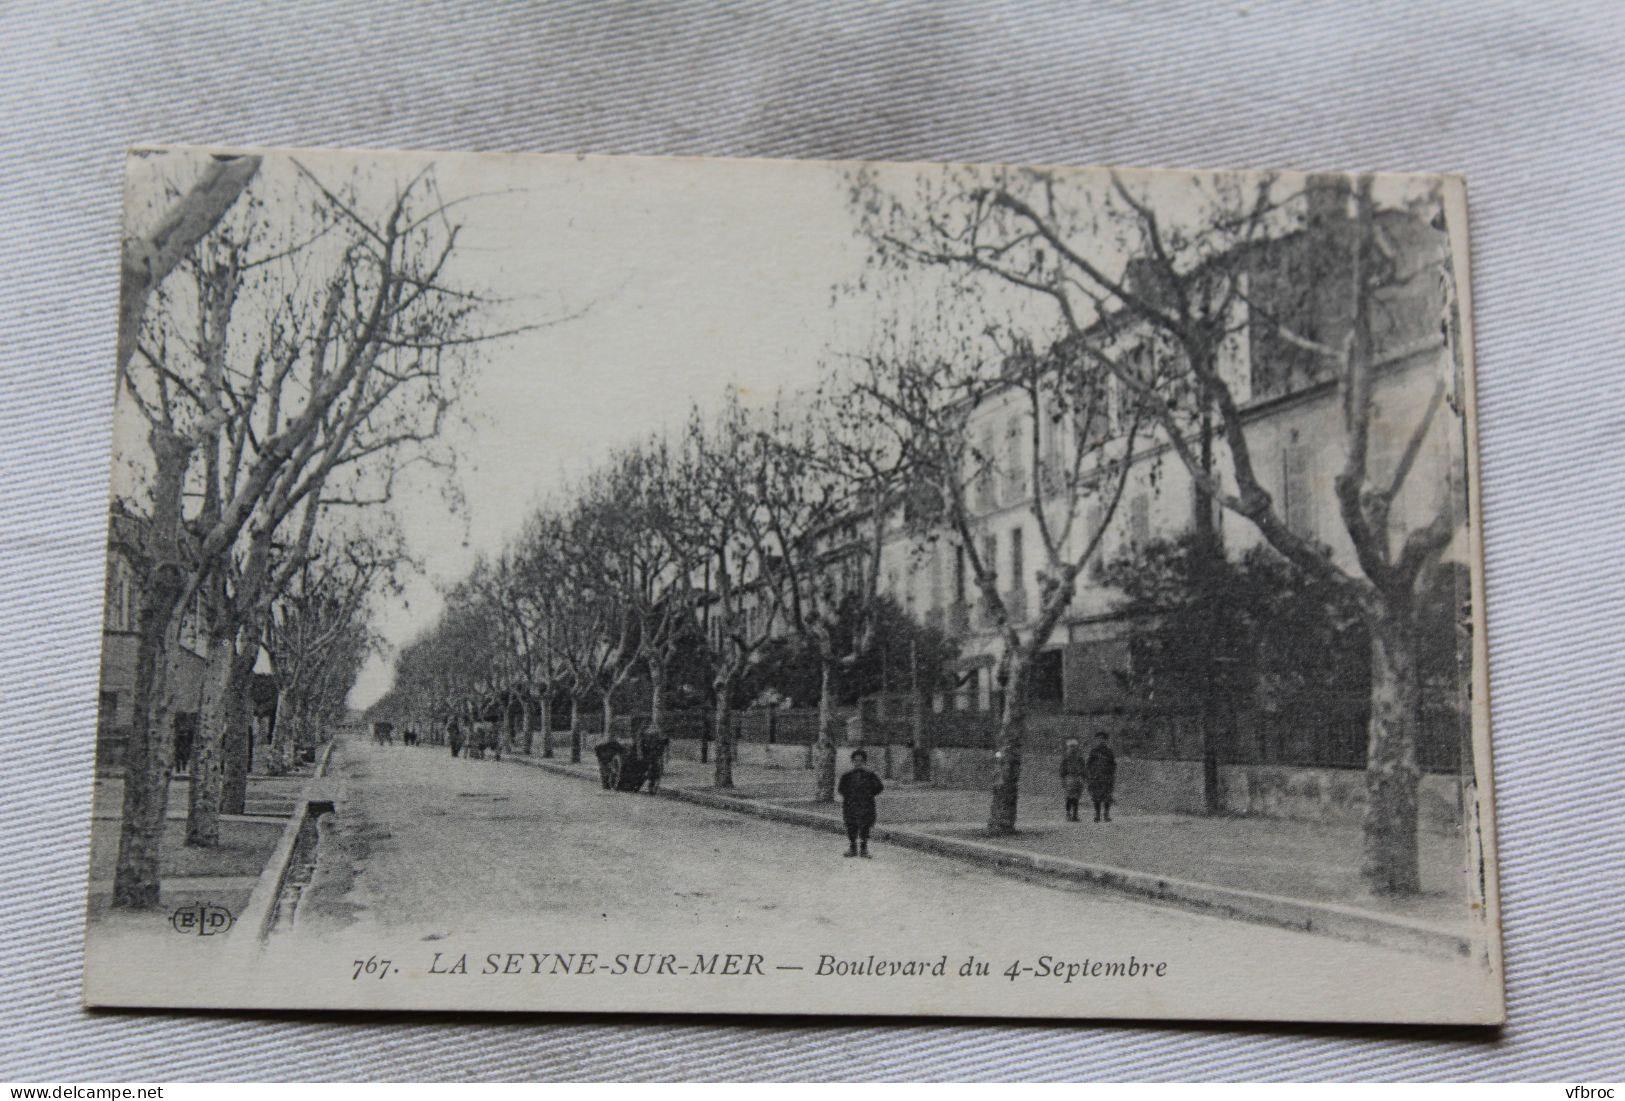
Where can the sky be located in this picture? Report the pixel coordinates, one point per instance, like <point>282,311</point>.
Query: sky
<point>654,284</point>
<point>646,285</point>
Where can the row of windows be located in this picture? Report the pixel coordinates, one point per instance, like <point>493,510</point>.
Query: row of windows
<point>122,602</point>
<point>1003,555</point>
<point>939,577</point>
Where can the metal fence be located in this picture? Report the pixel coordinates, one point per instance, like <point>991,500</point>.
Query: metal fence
<point>1305,737</point>
<point>1330,734</point>
<point>766,726</point>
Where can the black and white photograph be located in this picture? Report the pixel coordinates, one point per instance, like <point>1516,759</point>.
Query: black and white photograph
<point>685,585</point>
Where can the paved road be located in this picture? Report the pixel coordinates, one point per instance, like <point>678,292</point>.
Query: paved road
<point>443,849</point>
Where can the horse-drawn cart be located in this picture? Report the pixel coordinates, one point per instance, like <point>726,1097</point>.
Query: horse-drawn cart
<point>629,767</point>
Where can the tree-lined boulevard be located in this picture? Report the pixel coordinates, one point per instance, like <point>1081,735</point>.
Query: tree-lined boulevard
<point>293,345</point>
<point>454,849</point>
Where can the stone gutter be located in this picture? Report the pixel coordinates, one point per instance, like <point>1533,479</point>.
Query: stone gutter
<point>254,924</point>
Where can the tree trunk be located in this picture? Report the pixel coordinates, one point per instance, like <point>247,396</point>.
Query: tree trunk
<point>284,736</point>
<point>1206,557</point>
<point>208,744</point>
<point>824,748</point>
<point>919,741</point>
<point>547,724</point>
<point>528,717</point>
<point>1012,739</point>
<point>575,728</point>
<point>150,752</point>
<point>147,261</point>
<point>1389,862</point>
<point>657,697</point>
<point>723,771</point>
<point>239,731</point>
<point>149,755</point>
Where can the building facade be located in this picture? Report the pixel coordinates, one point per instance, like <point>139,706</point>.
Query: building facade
<point>120,640</point>
<point>1292,413</point>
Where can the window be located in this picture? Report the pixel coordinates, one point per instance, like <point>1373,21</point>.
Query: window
<point>959,575</point>
<point>1139,520</point>
<point>1016,465</point>
<point>107,711</point>
<point>1297,490</point>
<point>1055,467</point>
<point>192,634</point>
<point>936,576</point>
<point>990,557</point>
<point>116,613</point>
<point>985,457</point>
<point>1018,564</point>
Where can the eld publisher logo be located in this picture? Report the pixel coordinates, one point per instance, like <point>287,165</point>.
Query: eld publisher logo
<point>203,918</point>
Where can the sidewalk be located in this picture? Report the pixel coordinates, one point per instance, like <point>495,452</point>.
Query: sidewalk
<point>225,875</point>
<point>1299,874</point>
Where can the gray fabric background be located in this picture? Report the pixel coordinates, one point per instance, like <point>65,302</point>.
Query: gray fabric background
<point>1526,100</point>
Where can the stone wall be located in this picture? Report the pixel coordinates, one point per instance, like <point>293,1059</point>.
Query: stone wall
<point>1168,787</point>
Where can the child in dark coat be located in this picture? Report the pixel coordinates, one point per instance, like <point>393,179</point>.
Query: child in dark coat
<point>1101,772</point>
<point>858,789</point>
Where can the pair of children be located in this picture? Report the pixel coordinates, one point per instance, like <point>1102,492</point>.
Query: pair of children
<point>1097,771</point>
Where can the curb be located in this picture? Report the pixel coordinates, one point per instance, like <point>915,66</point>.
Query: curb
<point>314,800</point>
<point>1281,911</point>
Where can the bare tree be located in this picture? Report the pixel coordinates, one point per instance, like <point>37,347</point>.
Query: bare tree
<point>541,604</point>
<point>828,484</point>
<point>362,390</point>
<point>636,517</point>
<point>718,495</point>
<point>166,559</point>
<point>317,631</point>
<point>1067,452</point>
<point>146,261</point>
<point>597,626</point>
<point>296,392</point>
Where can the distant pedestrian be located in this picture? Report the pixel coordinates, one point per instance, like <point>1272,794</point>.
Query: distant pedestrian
<point>654,757</point>
<point>454,736</point>
<point>1074,771</point>
<point>609,761</point>
<point>858,789</point>
<point>1101,772</point>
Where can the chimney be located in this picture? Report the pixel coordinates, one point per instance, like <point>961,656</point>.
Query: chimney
<point>1330,201</point>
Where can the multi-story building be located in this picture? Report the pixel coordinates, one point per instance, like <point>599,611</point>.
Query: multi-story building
<point>1292,414</point>
<point>126,533</point>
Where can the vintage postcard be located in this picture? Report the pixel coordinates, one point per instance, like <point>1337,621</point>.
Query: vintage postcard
<point>646,585</point>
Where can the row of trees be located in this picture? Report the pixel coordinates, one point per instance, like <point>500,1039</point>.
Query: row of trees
<point>288,347</point>
<point>751,524</point>
<point>693,554</point>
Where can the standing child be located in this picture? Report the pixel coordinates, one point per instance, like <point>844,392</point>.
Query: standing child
<point>858,789</point>
<point>1074,771</point>
<point>1101,772</point>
